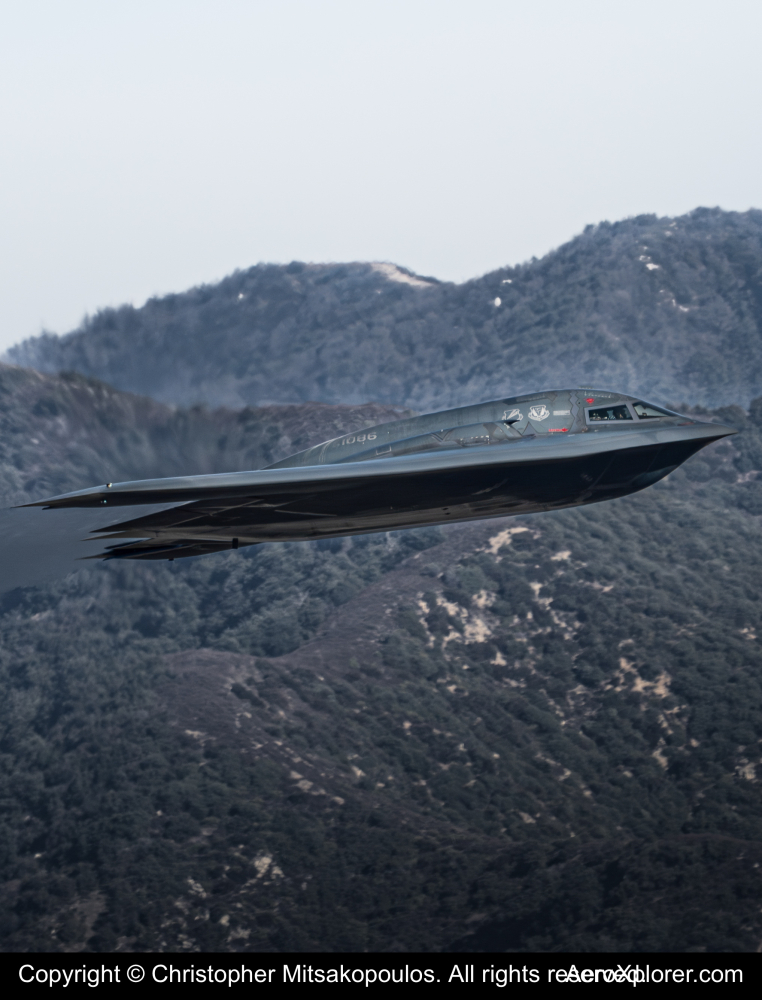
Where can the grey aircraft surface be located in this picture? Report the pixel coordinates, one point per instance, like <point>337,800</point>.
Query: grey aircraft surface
<point>536,452</point>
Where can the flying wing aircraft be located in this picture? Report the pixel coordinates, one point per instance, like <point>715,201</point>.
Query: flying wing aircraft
<point>537,452</point>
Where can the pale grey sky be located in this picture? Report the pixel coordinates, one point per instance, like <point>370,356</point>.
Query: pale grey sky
<point>149,146</point>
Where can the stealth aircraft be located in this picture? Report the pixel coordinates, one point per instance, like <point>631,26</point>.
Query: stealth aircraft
<point>537,452</point>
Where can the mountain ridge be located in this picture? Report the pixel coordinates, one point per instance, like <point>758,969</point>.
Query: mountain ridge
<point>532,734</point>
<point>662,307</point>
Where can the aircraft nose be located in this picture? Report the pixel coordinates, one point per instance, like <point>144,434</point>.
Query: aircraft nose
<point>720,430</point>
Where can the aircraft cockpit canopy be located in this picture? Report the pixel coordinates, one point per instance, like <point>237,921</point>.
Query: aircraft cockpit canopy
<point>621,412</point>
<point>625,411</point>
<point>646,411</point>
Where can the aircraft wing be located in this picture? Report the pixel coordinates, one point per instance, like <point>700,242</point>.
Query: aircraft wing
<point>195,515</point>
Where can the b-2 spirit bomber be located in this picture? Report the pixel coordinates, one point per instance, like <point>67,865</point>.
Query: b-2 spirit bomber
<point>537,452</point>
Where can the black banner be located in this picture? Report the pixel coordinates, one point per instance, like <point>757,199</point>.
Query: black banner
<point>308,971</point>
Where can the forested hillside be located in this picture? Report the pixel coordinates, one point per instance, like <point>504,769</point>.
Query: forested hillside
<point>533,733</point>
<point>667,308</point>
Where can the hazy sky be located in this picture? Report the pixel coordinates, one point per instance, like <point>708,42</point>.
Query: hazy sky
<point>150,146</point>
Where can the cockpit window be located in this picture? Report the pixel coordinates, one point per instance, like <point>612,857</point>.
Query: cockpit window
<point>645,411</point>
<point>609,413</point>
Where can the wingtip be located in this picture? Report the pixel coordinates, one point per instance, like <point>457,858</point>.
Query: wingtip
<point>82,498</point>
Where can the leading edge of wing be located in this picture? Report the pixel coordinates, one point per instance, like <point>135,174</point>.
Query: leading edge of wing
<point>232,485</point>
